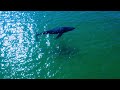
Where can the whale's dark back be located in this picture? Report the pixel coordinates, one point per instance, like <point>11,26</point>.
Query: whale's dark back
<point>60,30</point>
<point>65,29</point>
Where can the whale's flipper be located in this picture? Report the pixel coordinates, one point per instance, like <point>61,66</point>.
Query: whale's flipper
<point>59,35</point>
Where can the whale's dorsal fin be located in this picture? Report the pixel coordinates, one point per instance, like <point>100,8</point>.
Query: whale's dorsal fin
<point>59,35</point>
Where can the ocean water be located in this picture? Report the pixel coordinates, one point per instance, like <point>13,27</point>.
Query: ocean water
<point>91,51</point>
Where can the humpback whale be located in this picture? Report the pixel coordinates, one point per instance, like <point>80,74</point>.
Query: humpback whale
<point>58,30</point>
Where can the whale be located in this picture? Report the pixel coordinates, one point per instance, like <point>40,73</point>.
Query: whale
<point>58,30</point>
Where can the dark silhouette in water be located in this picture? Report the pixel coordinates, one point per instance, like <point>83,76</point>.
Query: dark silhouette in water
<point>68,51</point>
<point>59,31</point>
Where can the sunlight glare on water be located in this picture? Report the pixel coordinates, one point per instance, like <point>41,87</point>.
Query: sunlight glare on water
<point>17,38</point>
<point>20,55</point>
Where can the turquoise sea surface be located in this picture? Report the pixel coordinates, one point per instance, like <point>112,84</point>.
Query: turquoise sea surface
<point>91,51</point>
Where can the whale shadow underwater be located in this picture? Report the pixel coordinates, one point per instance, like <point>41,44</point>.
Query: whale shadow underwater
<point>59,30</point>
<point>67,51</point>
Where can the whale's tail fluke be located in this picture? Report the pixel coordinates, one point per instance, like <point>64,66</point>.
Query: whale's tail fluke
<point>37,34</point>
